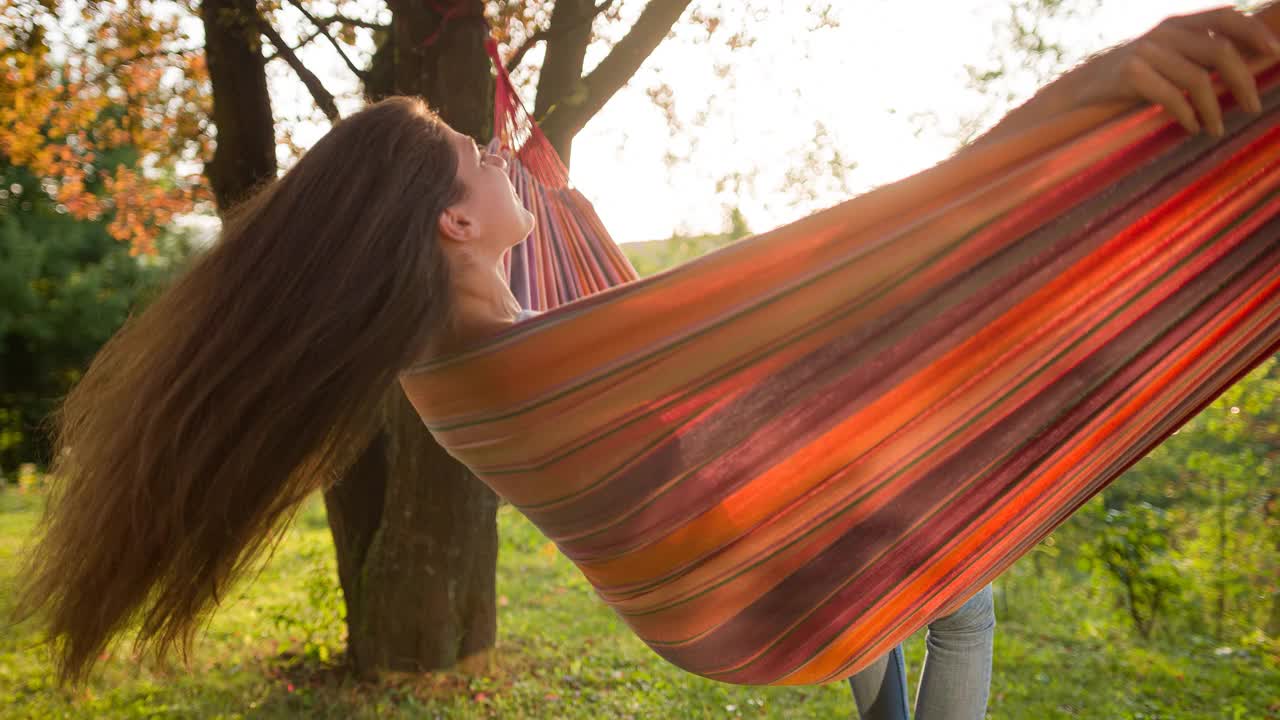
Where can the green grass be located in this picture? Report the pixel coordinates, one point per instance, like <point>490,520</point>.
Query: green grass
<point>562,654</point>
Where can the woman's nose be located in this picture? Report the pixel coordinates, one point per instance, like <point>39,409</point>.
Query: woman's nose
<point>500,160</point>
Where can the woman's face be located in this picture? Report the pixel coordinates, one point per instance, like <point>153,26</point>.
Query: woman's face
<point>489,218</point>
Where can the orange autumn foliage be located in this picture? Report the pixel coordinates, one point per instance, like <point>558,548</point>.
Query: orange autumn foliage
<point>77,90</point>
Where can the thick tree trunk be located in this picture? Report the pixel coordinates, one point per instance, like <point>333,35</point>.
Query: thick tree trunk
<point>415,533</point>
<point>417,549</point>
<point>445,63</point>
<point>245,153</point>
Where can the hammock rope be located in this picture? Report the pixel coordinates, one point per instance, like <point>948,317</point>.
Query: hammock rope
<point>779,460</point>
<point>569,255</point>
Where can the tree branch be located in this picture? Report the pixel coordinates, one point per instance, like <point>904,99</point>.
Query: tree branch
<point>552,33</point>
<point>655,21</point>
<point>315,21</point>
<point>528,44</point>
<point>301,44</point>
<point>354,22</point>
<point>322,97</point>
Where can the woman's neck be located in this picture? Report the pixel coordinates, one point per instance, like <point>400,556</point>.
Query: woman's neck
<point>480,292</point>
<point>482,305</point>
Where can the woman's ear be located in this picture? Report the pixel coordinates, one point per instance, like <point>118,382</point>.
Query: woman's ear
<point>455,225</point>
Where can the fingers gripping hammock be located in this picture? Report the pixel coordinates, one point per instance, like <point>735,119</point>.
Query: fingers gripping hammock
<point>779,460</point>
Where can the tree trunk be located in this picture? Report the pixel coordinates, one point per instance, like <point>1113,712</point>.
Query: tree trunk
<point>415,533</point>
<point>1220,621</point>
<point>417,547</point>
<point>245,152</point>
<point>1271,513</point>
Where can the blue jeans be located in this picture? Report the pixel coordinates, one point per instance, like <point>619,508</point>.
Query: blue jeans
<point>955,679</point>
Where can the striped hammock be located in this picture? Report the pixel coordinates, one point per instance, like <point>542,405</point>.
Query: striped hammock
<point>779,460</point>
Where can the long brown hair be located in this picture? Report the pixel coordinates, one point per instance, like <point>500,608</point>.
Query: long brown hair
<point>200,426</point>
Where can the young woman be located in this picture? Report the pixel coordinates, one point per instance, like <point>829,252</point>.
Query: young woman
<point>244,387</point>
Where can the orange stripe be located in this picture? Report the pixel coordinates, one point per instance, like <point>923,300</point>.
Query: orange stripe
<point>1117,268</point>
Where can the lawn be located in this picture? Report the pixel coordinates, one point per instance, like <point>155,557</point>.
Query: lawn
<point>270,652</point>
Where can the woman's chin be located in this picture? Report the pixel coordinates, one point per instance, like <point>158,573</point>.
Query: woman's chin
<point>528,225</point>
<point>521,238</point>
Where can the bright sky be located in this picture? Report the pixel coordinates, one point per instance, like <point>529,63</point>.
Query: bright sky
<point>863,81</point>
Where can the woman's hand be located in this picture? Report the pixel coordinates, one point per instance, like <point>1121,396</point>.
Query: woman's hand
<point>1178,56</point>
